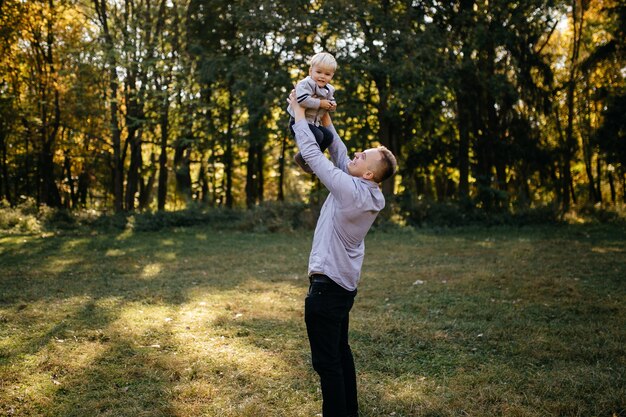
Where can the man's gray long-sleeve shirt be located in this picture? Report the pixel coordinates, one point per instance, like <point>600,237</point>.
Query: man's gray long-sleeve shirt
<point>347,214</point>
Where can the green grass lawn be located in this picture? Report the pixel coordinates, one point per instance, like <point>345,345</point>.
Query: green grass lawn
<point>198,322</point>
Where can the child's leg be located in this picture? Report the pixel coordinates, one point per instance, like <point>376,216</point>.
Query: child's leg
<point>298,157</point>
<point>327,138</point>
<point>292,121</point>
<point>322,137</point>
<point>319,135</point>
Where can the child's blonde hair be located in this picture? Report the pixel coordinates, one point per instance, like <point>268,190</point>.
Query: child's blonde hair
<point>324,60</point>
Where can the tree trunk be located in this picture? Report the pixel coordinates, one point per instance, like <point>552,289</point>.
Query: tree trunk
<point>133,176</point>
<point>260,165</point>
<point>49,192</point>
<point>118,167</point>
<point>623,187</point>
<point>254,167</point>
<point>73,199</point>
<point>182,171</point>
<point>598,178</point>
<point>464,101</point>
<point>612,187</point>
<point>146,186</point>
<point>586,134</point>
<point>162,193</point>
<point>204,183</point>
<point>281,168</point>
<point>386,133</point>
<point>83,187</point>
<point>570,142</point>
<point>4,171</point>
<point>49,124</point>
<point>228,152</point>
<point>251,189</point>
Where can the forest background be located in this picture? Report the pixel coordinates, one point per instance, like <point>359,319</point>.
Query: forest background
<point>156,105</point>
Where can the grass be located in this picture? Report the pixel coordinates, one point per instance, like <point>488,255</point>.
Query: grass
<point>198,322</point>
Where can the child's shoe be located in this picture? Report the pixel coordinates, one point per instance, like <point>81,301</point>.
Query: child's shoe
<point>302,163</point>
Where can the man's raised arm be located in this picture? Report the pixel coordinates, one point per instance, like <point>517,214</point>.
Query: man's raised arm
<point>337,149</point>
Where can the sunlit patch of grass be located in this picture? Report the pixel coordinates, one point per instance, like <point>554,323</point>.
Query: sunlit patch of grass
<point>194,322</point>
<point>151,270</point>
<point>114,252</point>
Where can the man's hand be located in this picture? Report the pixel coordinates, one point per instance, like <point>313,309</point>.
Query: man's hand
<point>325,120</point>
<point>298,110</point>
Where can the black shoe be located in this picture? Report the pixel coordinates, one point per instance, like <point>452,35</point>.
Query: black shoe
<point>302,163</point>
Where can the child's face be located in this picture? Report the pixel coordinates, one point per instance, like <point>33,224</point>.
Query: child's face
<point>321,76</point>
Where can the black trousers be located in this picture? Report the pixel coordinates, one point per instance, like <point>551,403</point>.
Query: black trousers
<point>326,313</point>
<point>323,136</point>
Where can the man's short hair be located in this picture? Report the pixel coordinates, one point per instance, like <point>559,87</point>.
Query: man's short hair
<point>388,165</point>
<point>324,60</point>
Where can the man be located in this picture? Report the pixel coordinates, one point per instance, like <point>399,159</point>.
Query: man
<point>337,255</point>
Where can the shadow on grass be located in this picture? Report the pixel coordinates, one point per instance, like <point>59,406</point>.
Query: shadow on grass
<point>68,295</point>
<point>122,380</point>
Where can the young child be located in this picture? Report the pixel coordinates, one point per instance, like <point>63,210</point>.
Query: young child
<point>317,96</point>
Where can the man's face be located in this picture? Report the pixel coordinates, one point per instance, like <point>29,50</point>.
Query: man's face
<point>321,76</point>
<point>365,163</point>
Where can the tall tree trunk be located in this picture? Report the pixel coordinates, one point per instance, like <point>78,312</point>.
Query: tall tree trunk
<point>49,123</point>
<point>598,178</point>
<point>4,170</point>
<point>251,177</point>
<point>182,171</point>
<point>118,167</point>
<point>228,152</point>
<point>254,166</point>
<point>146,186</point>
<point>463,125</point>
<point>204,182</point>
<point>386,132</point>
<point>623,186</point>
<point>133,176</point>
<point>281,168</point>
<point>587,148</point>
<point>162,192</point>
<point>464,104</point>
<point>464,24</point>
<point>570,141</point>
<point>260,165</point>
<point>83,187</point>
<point>134,120</point>
<point>73,198</point>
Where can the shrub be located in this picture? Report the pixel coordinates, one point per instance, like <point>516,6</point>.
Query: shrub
<point>151,221</point>
<point>278,217</point>
<point>426,213</point>
<point>22,219</point>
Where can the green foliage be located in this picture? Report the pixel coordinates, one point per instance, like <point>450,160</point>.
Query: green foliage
<point>193,216</point>
<point>471,97</point>
<point>272,217</point>
<point>279,217</point>
<point>429,213</point>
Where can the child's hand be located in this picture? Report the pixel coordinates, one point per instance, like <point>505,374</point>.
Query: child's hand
<point>328,105</point>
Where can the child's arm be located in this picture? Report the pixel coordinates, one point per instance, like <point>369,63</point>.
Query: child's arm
<point>331,98</point>
<point>304,95</point>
